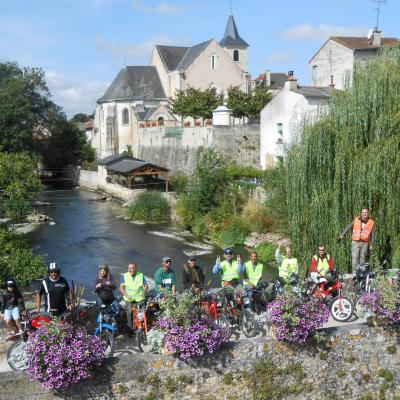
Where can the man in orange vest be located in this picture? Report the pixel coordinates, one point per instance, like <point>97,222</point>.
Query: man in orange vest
<point>363,238</point>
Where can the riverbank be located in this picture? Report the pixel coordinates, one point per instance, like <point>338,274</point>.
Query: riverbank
<point>359,363</point>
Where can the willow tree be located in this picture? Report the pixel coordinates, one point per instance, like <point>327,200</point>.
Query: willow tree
<point>348,160</point>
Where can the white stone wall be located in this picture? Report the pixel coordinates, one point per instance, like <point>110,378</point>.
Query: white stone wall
<point>333,59</point>
<point>88,179</point>
<point>291,110</point>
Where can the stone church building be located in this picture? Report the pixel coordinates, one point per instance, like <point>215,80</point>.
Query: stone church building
<point>138,96</point>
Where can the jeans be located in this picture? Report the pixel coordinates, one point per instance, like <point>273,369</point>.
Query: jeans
<point>359,253</point>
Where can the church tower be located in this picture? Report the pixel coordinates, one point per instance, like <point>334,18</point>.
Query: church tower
<point>234,45</point>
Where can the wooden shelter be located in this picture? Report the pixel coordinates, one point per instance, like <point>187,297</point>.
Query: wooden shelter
<point>131,167</point>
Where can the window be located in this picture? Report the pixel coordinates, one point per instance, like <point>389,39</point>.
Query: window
<point>213,61</point>
<point>236,55</point>
<point>125,116</point>
<point>279,128</point>
<point>315,72</point>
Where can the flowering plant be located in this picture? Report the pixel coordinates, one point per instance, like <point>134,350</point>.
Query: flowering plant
<point>197,338</point>
<point>383,302</point>
<point>59,355</point>
<point>294,319</point>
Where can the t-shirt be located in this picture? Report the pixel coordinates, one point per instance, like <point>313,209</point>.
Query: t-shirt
<point>166,279</point>
<point>55,295</point>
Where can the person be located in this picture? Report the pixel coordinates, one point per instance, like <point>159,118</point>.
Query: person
<point>363,238</point>
<point>56,291</point>
<point>12,304</point>
<point>253,271</point>
<point>287,264</point>
<point>105,285</point>
<point>322,263</point>
<point>165,277</point>
<point>229,269</point>
<point>192,275</point>
<point>133,287</point>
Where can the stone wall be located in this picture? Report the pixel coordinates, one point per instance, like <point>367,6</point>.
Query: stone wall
<point>181,153</point>
<point>88,179</point>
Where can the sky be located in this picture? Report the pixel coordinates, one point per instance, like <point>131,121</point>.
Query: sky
<point>81,45</point>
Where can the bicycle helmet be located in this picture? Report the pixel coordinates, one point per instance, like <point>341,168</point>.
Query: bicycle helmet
<point>53,267</point>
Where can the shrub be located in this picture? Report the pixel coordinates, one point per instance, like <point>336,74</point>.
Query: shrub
<point>234,233</point>
<point>149,206</point>
<point>59,355</point>
<point>294,319</point>
<point>266,252</point>
<point>179,183</point>
<point>17,260</point>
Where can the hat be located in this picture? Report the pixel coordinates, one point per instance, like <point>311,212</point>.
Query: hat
<point>192,258</point>
<point>228,250</point>
<point>165,259</point>
<point>53,267</point>
<point>10,282</point>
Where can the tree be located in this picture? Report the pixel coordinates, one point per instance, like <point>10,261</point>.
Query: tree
<point>81,117</point>
<point>195,103</point>
<point>257,101</point>
<point>237,102</point>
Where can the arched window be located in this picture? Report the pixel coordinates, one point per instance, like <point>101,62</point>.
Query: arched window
<point>125,116</point>
<point>160,121</point>
<point>236,55</point>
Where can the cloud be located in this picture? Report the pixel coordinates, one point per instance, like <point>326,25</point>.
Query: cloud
<point>137,51</point>
<point>160,8</point>
<point>74,95</point>
<point>280,58</point>
<point>322,32</point>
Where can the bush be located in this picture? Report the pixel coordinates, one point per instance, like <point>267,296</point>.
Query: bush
<point>59,355</point>
<point>179,183</point>
<point>149,206</point>
<point>266,252</point>
<point>17,260</point>
<point>234,233</point>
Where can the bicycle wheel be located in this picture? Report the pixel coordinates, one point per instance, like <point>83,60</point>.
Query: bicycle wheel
<point>108,343</point>
<point>249,324</point>
<point>341,309</point>
<point>17,358</point>
<point>142,343</point>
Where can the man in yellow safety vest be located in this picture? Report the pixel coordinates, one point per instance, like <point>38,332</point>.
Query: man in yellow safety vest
<point>133,287</point>
<point>287,264</point>
<point>253,271</point>
<point>229,269</point>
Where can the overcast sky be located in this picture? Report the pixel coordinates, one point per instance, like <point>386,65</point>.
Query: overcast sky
<point>82,44</point>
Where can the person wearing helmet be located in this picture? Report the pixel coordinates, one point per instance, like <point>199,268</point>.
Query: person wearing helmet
<point>229,269</point>
<point>12,304</point>
<point>55,290</point>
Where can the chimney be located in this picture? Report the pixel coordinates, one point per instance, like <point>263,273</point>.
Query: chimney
<point>376,37</point>
<point>267,78</point>
<point>291,82</point>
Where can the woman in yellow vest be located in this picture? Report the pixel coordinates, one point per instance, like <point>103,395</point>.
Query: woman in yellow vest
<point>133,287</point>
<point>287,264</point>
<point>253,271</point>
<point>229,269</point>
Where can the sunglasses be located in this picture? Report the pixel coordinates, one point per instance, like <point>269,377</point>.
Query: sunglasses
<point>229,253</point>
<point>168,262</point>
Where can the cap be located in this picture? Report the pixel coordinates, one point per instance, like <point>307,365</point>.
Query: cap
<point>165,259</point>
<point>53,267</point>
<point>228,250</point>
<point>10,282</point>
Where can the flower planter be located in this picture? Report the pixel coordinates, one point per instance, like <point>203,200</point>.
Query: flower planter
<point>186,124</point>
<point>141,125</point>
<point>197,123</point>
<point>154,124</point>
<point>209,122</point>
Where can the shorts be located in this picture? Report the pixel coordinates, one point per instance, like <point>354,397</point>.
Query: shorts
<point>11,314</point>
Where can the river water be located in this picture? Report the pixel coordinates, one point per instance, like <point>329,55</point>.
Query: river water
<point>88,233</point>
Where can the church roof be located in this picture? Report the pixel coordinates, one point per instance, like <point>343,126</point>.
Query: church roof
<point>179,58</point>
<point>231,35</point>
<point>135,83</point>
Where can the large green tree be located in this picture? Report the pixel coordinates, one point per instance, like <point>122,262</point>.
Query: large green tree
<point>195,103</point>
<point>349,160</point>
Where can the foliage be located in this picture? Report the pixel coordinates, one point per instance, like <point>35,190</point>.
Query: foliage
<point>81,117</point>
<point>383,302</point>
<point>195,103</point>
<point>89,166</point>
<point>17,260</point>
<point>232,233</point>
<point>266,252</point>
<point>59,355</point>
<point>88,153</point>
<point>258,100</point>
<point>179,182</point>
<point>18,183</point>
<point>31,122</point>
<point>270,381</point>
<point>149,206</point>
<point>348,160</point>
<point>129,151</point>
<point>155,339</point>
<point>294,319</point>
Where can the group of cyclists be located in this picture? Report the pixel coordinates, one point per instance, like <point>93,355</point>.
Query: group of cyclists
<point>54,289</point>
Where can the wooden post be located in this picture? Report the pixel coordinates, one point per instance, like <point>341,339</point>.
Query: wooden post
<point>166,182</point>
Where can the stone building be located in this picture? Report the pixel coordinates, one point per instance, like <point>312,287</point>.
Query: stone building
<point>335,62</point>
<point>283,117</point>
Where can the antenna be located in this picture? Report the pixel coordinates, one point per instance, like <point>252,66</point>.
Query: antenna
<point>379,3</point>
